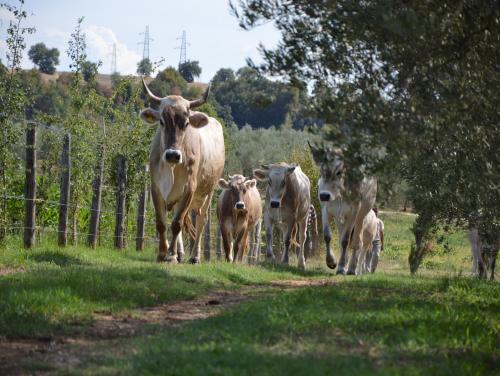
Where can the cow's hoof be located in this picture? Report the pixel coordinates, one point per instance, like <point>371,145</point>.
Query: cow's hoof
<point>350,272</point>
<point>180,257</point>
<point>172,259</point>
<point>340,271</point>
<point>194,260</point>
<point>302,266</point>
<point>162,257</point>
<point>331,264</point>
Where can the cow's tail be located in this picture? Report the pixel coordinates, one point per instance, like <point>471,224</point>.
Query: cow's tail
<point>188,227</point>
<point>293,239</point>
<point>312,224</point>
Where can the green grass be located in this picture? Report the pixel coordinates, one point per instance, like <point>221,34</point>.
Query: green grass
<point>378,324</point>
<point>439,322</point>
<point>62,288</point>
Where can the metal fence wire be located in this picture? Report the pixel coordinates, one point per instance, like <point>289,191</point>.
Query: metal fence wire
<point>44,207</point>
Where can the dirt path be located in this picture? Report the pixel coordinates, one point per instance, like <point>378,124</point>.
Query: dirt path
<point>63,352</point>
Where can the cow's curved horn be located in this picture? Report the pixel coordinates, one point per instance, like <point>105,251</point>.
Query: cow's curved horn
<point>199,102</point>
<point>153,97</point>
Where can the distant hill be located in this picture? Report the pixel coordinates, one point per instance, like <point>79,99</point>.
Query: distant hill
<point>105,80</point>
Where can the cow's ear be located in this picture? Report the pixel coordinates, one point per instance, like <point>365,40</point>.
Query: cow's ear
<point>223,184</point>
<point>198,119</point>
<point>316,153</point>
<point>291,169</point>
<point>261,175</point>
<point>150,116</point>
<point>250,183</point>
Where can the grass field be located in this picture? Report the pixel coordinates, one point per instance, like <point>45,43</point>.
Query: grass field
<point>438,322</point>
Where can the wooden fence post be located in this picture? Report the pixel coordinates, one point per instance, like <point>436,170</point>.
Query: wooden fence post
<point>95,209</point>
<point>30,187</point>
<point>141,216</point>
<point>206,237</point>
<point>65,191</point>
<point>218,244</point>
<point>120,241</point>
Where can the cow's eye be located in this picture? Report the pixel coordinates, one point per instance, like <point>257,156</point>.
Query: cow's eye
<point>339,173</point>
<point>244,191</point>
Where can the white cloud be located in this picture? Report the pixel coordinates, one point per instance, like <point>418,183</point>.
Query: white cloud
<point>52,32</point>
<point>100,40</point>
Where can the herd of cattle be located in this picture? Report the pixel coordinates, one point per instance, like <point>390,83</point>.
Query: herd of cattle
<point>186,164</point>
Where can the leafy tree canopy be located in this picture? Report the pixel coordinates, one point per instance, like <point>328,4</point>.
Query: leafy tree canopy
<point>189,70</point>
<point>46,59</point>
<point>145,67</point>
<point>411,86</point>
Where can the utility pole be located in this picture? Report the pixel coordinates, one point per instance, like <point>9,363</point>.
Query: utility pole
<point>183,48</point>
<point>145,43</point>
<point>113,60</point>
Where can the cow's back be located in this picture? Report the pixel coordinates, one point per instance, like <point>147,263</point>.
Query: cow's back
<point>369,231</point>
<point>254,206</point>
<point>211,154</point>
<point>297,196</point>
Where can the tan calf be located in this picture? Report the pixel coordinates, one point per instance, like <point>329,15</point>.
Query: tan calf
<point>239,210</point>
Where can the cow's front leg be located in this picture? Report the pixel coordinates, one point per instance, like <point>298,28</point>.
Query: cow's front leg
<point>240,245</point>
<point>269,237</point>
<point>356,241</point>
<point>362,261</point>
<point>226,242</point>
<point>181,210</point>
<point>302,239</point>
<point>256,242</point>
<point>330,257</point>
<point>287,237</point>
<point>201,219</point>
<point>343,244</point>
<point>161,224</point>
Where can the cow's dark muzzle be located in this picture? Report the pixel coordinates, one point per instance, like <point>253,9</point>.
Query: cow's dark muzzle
<point>324,196</point>
<point>275,204</point>
<point>240,205</point>
<point>172,156</point>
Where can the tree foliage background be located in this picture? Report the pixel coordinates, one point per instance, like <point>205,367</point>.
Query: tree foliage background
<point>406,86</point>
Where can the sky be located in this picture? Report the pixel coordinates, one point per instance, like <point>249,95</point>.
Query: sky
<point>213,35</point>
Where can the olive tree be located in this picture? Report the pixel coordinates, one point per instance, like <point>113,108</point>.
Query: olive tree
<point>407,86</point>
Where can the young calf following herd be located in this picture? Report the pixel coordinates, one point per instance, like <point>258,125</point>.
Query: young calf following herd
<point>186,164</point>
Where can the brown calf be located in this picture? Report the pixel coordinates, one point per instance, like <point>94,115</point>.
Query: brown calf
<point>239,210</point>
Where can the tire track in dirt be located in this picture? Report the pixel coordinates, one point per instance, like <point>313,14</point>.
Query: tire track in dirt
<point>63,351</point>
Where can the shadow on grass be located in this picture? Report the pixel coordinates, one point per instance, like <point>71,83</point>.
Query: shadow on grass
<point>46,301</point>
<point>57,258</point>
<point>276,266</point>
